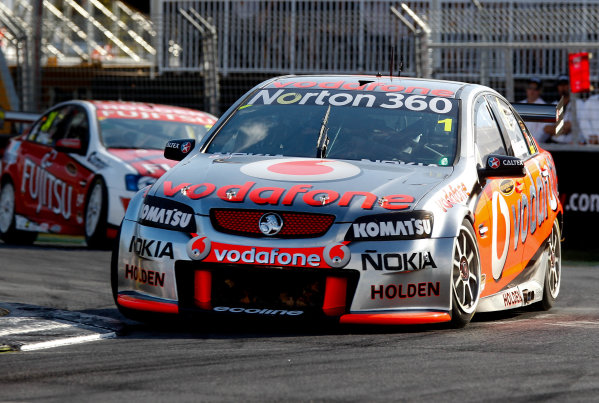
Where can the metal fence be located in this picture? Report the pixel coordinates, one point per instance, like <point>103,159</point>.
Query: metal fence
<point>492,42</point>
<point>292,36</point>
<point>205,53</point>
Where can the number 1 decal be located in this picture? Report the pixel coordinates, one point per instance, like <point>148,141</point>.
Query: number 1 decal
<point>447,124</point>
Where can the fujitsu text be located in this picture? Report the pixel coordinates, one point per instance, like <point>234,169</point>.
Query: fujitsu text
<point>50,192</point>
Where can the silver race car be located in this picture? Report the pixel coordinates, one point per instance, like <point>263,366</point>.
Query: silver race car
<point>364,199</point>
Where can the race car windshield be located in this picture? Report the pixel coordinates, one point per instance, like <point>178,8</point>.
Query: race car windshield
<point>147,134</point>
<point>375,126</point>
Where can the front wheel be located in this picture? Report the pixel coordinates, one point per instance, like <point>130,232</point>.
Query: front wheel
<point>553,269</point>
<point>465,276</point>
<point>95,216</point>
<point>8,231</point>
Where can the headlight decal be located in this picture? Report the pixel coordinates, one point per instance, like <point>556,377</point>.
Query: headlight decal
<point>136,182</point>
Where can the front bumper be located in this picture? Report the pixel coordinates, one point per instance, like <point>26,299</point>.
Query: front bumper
<point>399,282</point>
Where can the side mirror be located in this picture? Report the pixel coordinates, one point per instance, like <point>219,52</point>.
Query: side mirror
<point>502,166</point>
<point>69,146</point>
<point>176,150</point>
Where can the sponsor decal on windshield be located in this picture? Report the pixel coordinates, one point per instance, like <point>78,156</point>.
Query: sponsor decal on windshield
<point>417,103</point>
<point>151,112</point>
<point>368,85</point>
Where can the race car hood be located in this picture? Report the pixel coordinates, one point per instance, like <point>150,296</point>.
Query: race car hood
<point>347,189</point>
<point>145,162</point>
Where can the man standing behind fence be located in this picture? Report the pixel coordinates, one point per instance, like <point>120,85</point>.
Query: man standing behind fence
<point>566,136</point>
<point>588,114</point>
<point>533,96</point>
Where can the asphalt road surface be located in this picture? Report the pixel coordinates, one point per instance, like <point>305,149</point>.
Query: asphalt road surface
<point>61,339</point>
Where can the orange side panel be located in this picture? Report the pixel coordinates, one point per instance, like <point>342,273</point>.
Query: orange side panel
<point>139,304</point>
<point>203,289</point>
<point>402,318</point>
<point>334,296</point>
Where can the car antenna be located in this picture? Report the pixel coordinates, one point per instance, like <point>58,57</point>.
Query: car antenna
<point>400,67</point>
<point>391,59</point>
<point>380,62</point>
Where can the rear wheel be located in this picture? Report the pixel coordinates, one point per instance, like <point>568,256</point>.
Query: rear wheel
<point>553,269</point>
<point>8,231</point>
<point>465,276</point>
<point>95,216</point>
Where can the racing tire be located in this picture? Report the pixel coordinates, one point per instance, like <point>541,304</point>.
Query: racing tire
<point>553,269</point>
<point>465,276</point>
<point>8,231</point>
<point>96,211</point>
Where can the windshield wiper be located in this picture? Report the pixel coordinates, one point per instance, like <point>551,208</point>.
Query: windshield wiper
<point>323,138</point>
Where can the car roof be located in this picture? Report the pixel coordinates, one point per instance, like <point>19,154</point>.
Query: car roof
<point>404,85</point>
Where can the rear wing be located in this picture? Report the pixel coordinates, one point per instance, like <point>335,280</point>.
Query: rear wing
<point>547,113</point>
<point>17,117</point>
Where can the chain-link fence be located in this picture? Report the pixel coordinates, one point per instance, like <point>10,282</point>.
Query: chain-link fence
<point>205,53</point>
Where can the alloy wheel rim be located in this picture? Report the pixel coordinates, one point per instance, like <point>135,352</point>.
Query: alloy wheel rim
<point>465,278</point>
<point>7,205</point>
<point>92,215</point>
<point>554,263</point>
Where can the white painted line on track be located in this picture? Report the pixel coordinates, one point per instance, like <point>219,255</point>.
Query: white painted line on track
<point>29,328</point>
<point>67,341</point>
<point>21,329</point>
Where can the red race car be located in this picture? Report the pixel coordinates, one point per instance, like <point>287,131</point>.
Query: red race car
<point>77,166</point>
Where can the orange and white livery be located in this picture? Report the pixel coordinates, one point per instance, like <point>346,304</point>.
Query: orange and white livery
<point>361,199</point>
